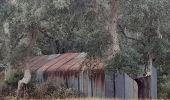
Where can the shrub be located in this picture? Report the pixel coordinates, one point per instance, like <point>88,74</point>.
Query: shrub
<point>30,89</point>
<point>14,77</point>
<point>3,88</point>
<point>62,92</point>
<point>164,87</point>
<point>50,90</point>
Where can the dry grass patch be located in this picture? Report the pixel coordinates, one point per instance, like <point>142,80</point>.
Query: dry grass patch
<point>14,98</point>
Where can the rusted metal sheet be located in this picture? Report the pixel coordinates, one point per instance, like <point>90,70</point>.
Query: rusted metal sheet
<point>40,63</point>
<point>143,87</point>
<point>72,65</point>
<point>75,68</point>
<point>148,85</point>
<point>68,69</point>
<point>53,61</point>
<point>37,60</point>
<point>39,72</point>
<point>92,87</point>
<point>98,86</point>
<point>79,59</point>
<point>66,66</point>
<point>61,62</point>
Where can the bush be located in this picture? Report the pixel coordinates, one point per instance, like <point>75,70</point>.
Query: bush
<point>6,90</point>
<point>50,90</point>
<point>63,92</point>
<point>8,86</point>
<point>3,88</point>
<point>164,87</point>
<point>30,90</point>
<point>14,76</point>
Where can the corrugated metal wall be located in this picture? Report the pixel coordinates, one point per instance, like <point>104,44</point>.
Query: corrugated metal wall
<point>154,83</point>
<point>109,86</point>
<point>92,87</point>
<point>131,88</point>
<point>125,87</point>
<point>66,69</point>
<point>120,86</point>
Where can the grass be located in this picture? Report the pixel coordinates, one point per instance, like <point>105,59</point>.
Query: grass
<point>14,98</point>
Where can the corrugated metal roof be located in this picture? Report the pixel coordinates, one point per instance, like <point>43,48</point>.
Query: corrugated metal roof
<point>59,63</point>
<point>62,62</point>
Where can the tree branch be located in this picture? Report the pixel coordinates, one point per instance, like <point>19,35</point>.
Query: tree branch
<point>17,41</point>
<point>131,38</point>
<point>45,34</point>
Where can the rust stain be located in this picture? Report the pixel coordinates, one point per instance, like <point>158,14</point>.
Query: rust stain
<point>40,64</point>
<point>45,64</point>
<point>63,64</point>
<point>143,87</point>
<point>66,66</point>
<point>36,60</point>
<point>52,62</point>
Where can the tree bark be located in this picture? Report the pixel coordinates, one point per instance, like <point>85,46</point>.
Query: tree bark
<point>7,48</point>
<point>150,64</point>
<point>53,46</point>
<point>158,29</point>
<point>151,54</point>
<point>25,80</point>
<point>112,27</point>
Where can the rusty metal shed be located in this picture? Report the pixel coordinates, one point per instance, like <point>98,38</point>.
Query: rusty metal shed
<point>67,69</point>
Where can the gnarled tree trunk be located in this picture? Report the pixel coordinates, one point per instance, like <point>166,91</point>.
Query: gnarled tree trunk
<point>24,81</point>
<point>27,73</point>
<point>112,29</point>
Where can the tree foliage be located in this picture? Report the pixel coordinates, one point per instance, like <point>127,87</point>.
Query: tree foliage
<point>136,30</point>
<point>144,26</point>
<point>54,26</point>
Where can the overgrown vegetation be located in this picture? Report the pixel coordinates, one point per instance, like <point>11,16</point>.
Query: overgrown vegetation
<point>47,89</point>
<point>132,32</point>
<point>14,77</point>
<point>50,90</point>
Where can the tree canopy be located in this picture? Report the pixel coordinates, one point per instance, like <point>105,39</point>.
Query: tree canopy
<point>132,32</point>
